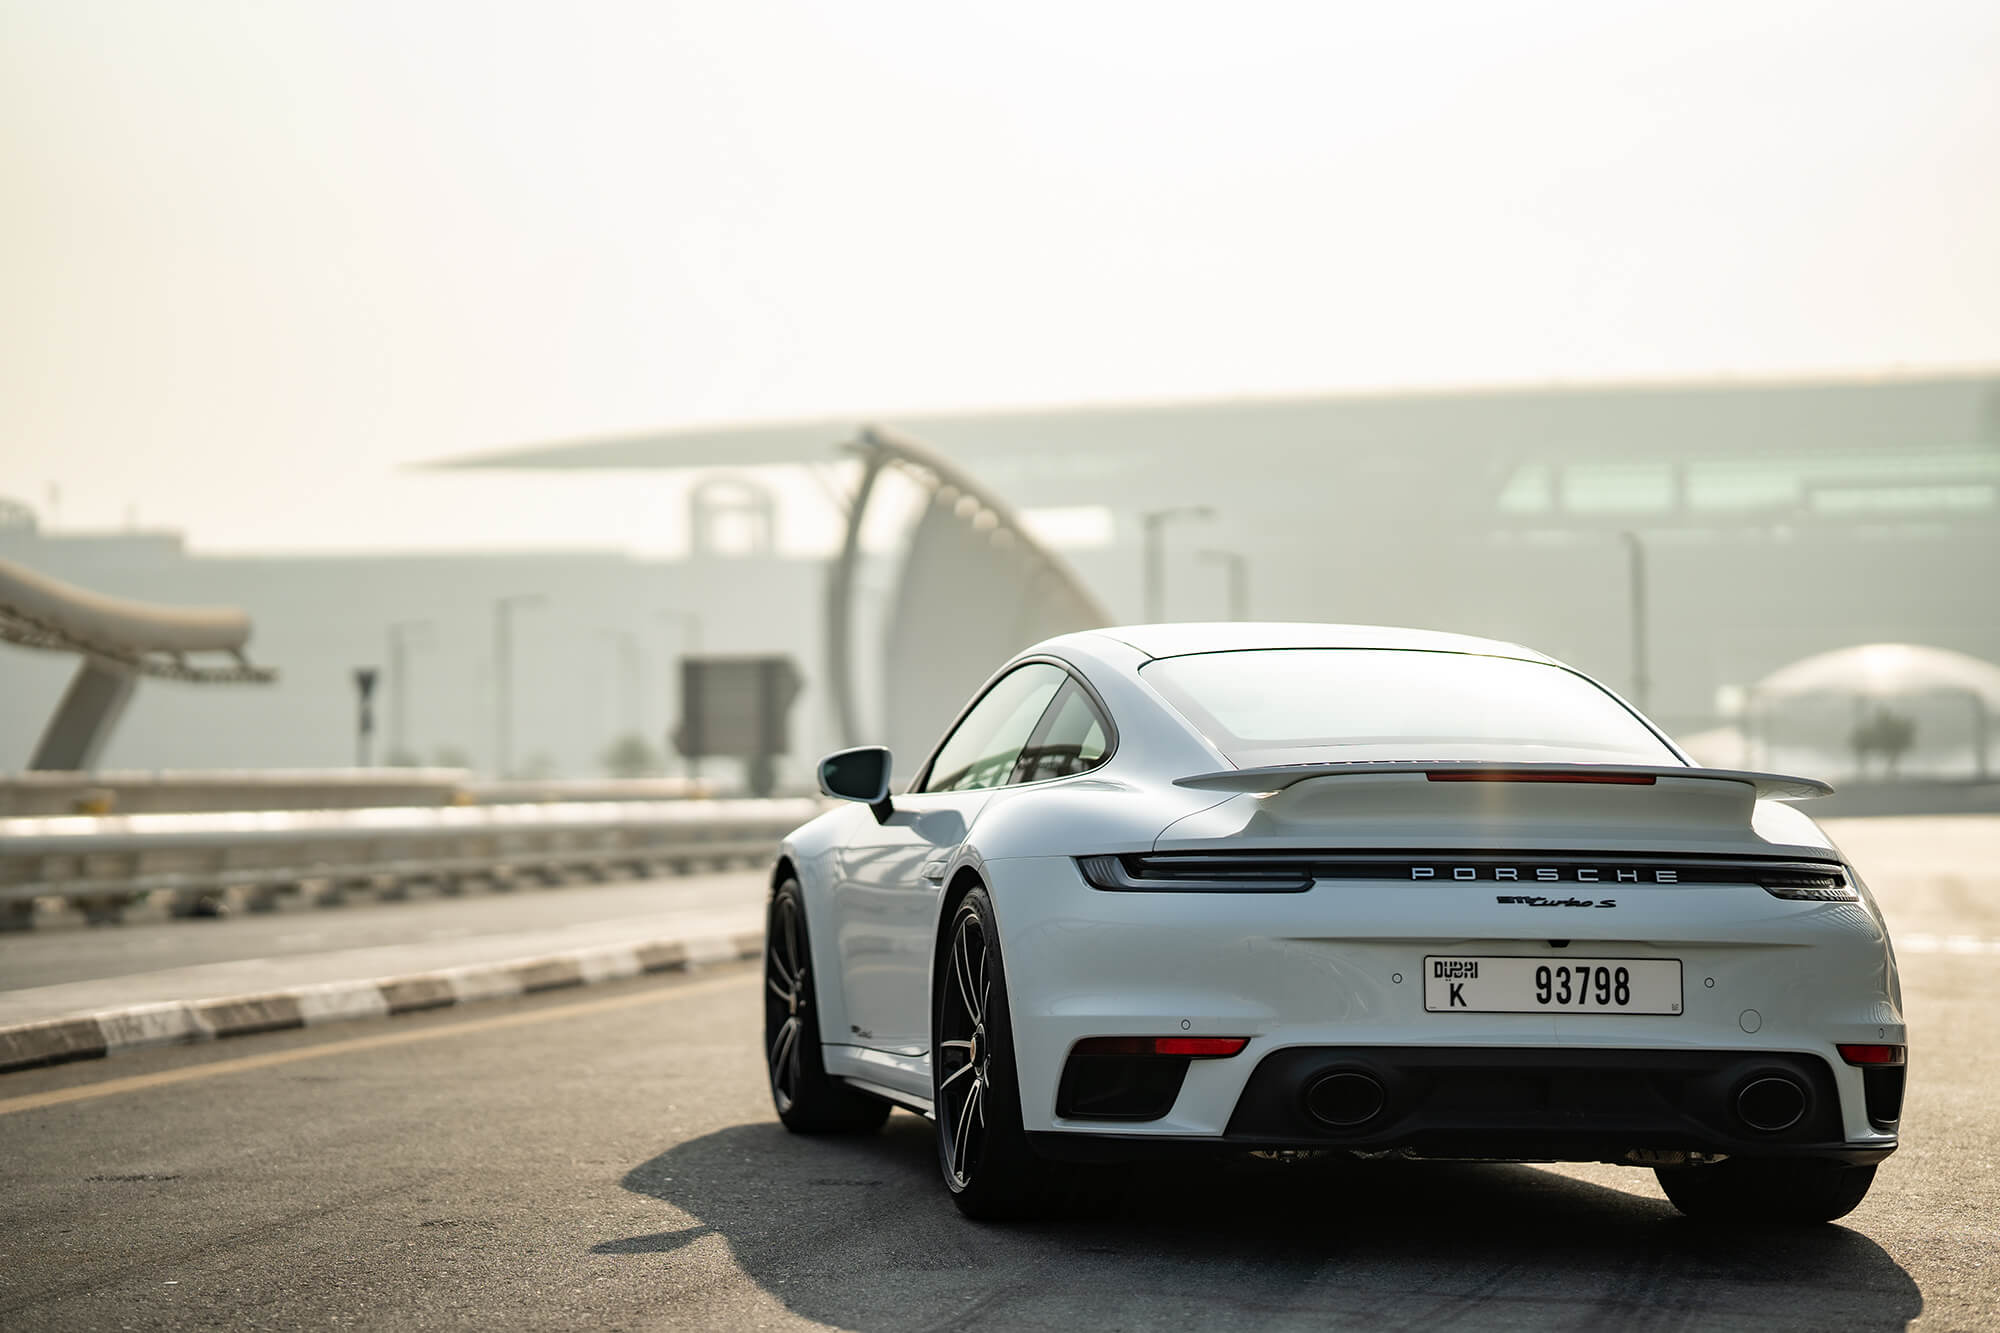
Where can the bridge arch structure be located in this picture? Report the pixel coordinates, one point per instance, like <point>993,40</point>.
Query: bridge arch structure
<point>119,641</point>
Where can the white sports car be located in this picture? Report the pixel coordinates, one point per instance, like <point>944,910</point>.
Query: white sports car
<point>1332,888</point>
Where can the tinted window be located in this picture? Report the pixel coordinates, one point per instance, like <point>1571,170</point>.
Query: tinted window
<point>1070,740</point>
<point>983,749</point>
<point>1281,706</point>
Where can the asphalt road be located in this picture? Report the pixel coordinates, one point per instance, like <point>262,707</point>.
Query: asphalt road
<point>66,954</point>
<point>608,1158</point>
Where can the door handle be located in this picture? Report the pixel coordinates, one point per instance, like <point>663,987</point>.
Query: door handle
<point>932,872</point>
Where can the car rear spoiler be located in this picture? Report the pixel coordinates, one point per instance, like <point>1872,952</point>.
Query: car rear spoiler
<point>1277,777</point>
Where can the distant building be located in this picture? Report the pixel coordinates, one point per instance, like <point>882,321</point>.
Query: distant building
<point>1778,520</point>
<point>316,618</point>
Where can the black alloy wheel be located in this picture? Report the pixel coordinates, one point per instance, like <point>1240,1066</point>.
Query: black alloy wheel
<point>982,1151</point>
<point>807,1098</point>
<point>965,1051</point>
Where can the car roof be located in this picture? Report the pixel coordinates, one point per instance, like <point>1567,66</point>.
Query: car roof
<point>1240,636</point>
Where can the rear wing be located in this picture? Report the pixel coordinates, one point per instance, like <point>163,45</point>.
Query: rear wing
<point>1277,777</point>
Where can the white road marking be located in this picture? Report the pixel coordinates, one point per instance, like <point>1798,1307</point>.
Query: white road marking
<point>135,1083</point>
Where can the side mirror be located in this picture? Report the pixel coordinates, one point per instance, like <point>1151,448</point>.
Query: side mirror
<point>860,774</point>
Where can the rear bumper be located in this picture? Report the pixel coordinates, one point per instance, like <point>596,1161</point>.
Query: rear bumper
<point>1649,1107</point>
<point>1331,975</point>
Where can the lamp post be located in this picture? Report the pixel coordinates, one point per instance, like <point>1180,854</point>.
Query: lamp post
<point>1238,568</point>
<point>401,634</point>
<point>364,717</point>
<point>1642,681</point>
<point>503,676</point>
<point>1151,522</point>
<point>625,644</point>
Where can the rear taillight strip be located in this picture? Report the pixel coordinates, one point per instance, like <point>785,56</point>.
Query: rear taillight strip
<point>1297,870</point>
<point>1116,874</point>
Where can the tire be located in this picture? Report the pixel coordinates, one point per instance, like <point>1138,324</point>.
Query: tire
<point>1754,1190</point>
<point>983,1151</point>
<point>807,1098</point>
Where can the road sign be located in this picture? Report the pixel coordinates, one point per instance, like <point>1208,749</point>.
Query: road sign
<point>740,707</point>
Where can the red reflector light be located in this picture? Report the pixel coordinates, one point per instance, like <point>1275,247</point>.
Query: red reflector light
<point>1527,775</point>
<point>1872,1055</point>
<point>1201,1047</point>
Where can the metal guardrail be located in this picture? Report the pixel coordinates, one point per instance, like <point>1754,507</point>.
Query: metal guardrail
<point>113,792</point>
<point>102,864</point>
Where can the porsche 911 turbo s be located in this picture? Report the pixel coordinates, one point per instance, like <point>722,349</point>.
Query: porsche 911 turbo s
<point>1319,888</point>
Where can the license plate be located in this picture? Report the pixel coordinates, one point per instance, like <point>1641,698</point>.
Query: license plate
<point>1482,984</point>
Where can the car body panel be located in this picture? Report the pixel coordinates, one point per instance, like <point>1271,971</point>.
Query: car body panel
<point>1336,965</point>
<point>1320,968</point>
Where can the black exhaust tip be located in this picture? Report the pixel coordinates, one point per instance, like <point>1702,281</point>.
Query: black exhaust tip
<point>1771,1104</point>
<point>1345,1098</point>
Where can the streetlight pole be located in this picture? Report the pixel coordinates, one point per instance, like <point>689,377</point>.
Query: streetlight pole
<point>1642,681</point>
<point>503,676</point>
<point>400,633</point>
<point>364,721</point>
<point>625,644</point>
<point>1239,580</point>
<point>1151,522</point>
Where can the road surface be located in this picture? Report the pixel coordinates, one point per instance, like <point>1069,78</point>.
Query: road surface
<point>607,1158</point>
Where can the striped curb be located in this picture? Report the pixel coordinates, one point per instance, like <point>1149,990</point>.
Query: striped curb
<point>93,1036</point>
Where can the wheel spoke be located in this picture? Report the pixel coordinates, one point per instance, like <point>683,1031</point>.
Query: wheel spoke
<point>961,1134</point>
<point>965,1046</point>
<point>985,979</point>
<point>956,1075</point>
<point>958,971</point>
<point>968,989</point>
<point>784,1061</point>
<point>777,990</point>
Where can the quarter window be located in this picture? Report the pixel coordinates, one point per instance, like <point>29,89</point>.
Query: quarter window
<point>1070,740</point>
<point>984,748</point>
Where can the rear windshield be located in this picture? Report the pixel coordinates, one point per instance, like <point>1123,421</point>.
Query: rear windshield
<point>1305,705</point>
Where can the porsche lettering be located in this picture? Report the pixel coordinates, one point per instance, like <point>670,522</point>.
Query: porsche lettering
<point>1550,874</point>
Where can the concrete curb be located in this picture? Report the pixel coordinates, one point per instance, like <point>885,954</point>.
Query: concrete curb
<point>93,1036</point>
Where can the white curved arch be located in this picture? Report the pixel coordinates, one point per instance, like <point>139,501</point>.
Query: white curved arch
<point>975,587</point>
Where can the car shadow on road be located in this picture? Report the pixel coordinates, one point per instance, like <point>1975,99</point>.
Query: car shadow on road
<point>857,1232</point>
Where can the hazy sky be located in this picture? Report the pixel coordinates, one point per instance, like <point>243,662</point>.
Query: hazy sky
<point>254,257</point>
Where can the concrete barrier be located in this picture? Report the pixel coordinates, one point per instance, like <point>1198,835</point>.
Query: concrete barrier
<point>102,865</point>
<point>115,792</point>
<point>107,1032</point>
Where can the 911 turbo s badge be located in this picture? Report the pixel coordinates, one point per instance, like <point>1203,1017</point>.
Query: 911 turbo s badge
<point>1518,901</point>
